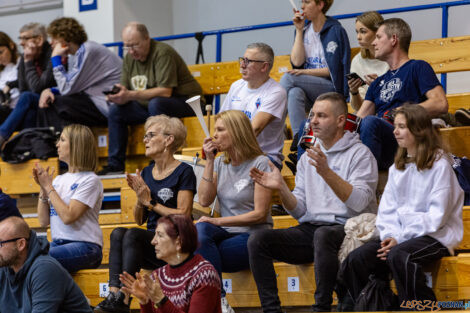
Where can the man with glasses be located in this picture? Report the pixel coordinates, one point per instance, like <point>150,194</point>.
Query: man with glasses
<point>34,75</point>
<point>31,280</point>
<point>155,80</point>
<point>261,98</point>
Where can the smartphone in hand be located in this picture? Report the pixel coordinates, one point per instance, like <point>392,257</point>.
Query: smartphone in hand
<point>113,91</point>
<point>355,76</point>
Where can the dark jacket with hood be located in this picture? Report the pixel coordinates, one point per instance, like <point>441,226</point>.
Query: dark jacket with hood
<point>337,52</point>
<point>36,75</point>
<point>42,285</point>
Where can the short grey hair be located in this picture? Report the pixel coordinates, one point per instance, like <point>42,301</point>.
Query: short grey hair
<point>264,49</point>
<point>169,126</point>
<point>36,28</point>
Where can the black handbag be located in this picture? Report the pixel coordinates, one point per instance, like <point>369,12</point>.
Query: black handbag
<point>376,296</point>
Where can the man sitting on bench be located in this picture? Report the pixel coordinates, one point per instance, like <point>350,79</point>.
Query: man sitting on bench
<point>412,81</point>
<point>336,179</point>
<point>262,99</point>
<point>155,80</point>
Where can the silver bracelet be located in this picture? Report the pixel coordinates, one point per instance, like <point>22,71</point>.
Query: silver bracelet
<point>44,200</point>
<point>208,180</point>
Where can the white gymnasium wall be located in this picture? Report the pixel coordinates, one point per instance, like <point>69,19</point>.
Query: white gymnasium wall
<point>12,23</point>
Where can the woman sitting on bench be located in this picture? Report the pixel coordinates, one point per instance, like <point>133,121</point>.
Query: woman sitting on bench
<point>188,283</point>
<point>166,186</point>
<point>244,204</point>
<point>71,202</point>
<point>420,214</point>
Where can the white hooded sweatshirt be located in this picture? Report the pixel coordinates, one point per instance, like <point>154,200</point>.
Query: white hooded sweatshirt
<point>419,203</point>
<point>353,162</point>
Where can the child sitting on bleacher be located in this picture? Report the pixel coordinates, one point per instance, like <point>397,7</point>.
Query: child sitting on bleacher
<point>166,186</point>
<point>420,213</point>
<point>71,202</point>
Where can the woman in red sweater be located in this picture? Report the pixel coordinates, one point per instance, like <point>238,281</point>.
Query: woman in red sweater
<point>188,283</point>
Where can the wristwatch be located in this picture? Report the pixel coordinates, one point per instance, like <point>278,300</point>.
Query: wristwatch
<point>152,204</point>
<point>160,303</point>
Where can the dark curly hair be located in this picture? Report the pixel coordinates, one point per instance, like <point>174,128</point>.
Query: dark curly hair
<point>69,29</point>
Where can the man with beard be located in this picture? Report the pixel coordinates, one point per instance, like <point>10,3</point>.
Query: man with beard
<point>31,280</point>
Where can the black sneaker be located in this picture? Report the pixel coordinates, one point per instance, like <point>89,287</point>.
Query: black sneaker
<point>110,170</point>
<point>463,116</point>
<point>113,303</point>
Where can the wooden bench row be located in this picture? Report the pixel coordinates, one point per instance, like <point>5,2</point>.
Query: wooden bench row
<point>296,283</point>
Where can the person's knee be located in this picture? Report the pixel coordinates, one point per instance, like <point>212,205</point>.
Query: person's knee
<point>27,98</point>
<point>117,234</point>
<point>395,257</point>
<point>369,123</point>
<point>159,105</point>
<point>257,239</point>
<point>115,113</point>
<point>204,232</point>
<point>328,236</point>
<point>132,236</point>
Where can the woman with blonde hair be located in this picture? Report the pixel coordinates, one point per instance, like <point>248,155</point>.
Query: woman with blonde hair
<point>71,202</point>
<point>166,186</point>
<point>419,217</point>
<point>244,204</point>
<point>364,64</point>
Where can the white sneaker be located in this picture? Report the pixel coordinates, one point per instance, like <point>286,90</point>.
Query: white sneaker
<point>226,308</point>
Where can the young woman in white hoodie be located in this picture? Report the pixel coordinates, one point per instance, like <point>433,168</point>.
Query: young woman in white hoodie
<point>420,213</point>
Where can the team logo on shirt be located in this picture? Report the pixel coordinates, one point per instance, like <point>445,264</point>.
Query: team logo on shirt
<point>165,194</point>
<point>242,183</point>
<point>73,187</point>
<point>52,211</point>
<point>389,89</point>
<point>139,82</point>
<point>258,103</point>
<point>331,47</point>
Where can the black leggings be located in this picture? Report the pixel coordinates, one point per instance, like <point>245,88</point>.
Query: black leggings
<point>130,251</point>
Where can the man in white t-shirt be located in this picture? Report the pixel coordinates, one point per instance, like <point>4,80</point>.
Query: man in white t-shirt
<point>261,98</point>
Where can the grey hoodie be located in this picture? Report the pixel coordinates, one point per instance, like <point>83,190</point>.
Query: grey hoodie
<point>353,162</point>
<point>42,285</point>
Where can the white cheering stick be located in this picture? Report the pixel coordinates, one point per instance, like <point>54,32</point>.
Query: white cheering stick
<point>195,104</point>
<point>293,5</point>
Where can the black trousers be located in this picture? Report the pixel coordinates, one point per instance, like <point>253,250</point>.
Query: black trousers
<point>301,244</point>
<point>404,262</point>
<point>131,250</point>
<point>72,109</point>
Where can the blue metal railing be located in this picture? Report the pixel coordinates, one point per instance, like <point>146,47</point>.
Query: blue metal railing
<point>218,33</point>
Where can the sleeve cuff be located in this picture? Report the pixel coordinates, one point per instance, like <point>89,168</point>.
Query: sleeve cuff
<point>55,91</point>
<point>56,61</point>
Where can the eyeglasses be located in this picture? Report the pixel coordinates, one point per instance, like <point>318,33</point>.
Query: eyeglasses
<point>131,47</point>
<point>11,240</point>
<point>150,135</point>
<point>247,61</point>
<point>25,38</point>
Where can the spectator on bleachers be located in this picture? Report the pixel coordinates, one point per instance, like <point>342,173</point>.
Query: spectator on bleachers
<point>188,283</point>
<point>82,70</point>
<point>320,57</point>
<point>262,99</point>
<point>336,179</point>
<point>34,75</point>
<point>7,207</point>
<point>420,213</point>
<point>155,80</point>
<point>31,280</point>
<point>166,186</point>
<point>9,92</point>
<point>71,202</point>
<point>244,204</point>
<point>364,64</point>
<point>407,80</point>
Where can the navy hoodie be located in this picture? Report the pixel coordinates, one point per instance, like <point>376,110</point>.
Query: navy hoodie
<point>42,285</point>
<point>337,52</point>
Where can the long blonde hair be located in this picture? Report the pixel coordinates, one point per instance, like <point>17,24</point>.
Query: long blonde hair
<point>83,148</point>
<point>241,132</point>
<point>371,20</point>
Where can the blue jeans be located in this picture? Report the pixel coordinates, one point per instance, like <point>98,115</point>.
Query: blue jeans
<point>76,255</point>
<point>226,251</point>
<point>302,91</point>
<point>133,113</point>
<point>377,135</point>
<point>22,116</point>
